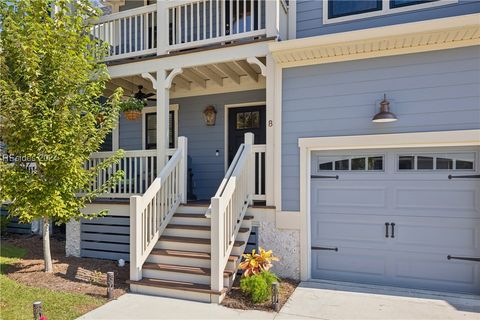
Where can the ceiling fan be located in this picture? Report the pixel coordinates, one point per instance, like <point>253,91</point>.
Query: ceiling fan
<point>144,96</point>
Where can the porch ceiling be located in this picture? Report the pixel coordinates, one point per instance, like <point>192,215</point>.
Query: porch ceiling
<point>219,77</point>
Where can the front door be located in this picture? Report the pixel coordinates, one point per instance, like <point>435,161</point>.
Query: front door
<point>242,120</point>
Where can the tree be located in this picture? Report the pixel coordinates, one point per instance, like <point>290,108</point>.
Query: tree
<point>50,112</point>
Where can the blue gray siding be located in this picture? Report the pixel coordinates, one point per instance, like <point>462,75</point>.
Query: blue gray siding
<point>203,141</point>
<point>432,91</point>
<point>310,17</point>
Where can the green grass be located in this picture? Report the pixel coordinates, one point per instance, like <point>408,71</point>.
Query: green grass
<point>16,299</point>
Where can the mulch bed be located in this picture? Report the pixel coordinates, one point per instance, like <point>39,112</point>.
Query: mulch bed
<point>71,274</point>
<point>237,300</point>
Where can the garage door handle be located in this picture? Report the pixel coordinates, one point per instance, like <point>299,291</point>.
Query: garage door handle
<point>325,248</point>
<point>449,257</point>
<point>386,229</point>
<point>393,230</point>
<point>324,177</point>
<point>472,176</point>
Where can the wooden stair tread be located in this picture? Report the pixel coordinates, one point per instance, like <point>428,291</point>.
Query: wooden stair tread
<point>176,285</point>
<point>190,215</point>
<point>194,240</point>
<point>182,269</point>
<point>193,227</point>
<point>188,254</point>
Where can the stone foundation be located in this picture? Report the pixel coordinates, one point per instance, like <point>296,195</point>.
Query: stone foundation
<point>285,245</point>
<point>72,245</point>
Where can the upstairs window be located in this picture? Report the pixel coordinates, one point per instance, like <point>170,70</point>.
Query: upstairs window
<point>346,10</point>
<point>342,8</point>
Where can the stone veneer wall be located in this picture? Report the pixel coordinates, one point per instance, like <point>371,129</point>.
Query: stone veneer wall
<point>285,244</point>
<point>72,245</point>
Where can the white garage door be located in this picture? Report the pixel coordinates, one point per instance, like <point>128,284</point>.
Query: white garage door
<point>408,218</point>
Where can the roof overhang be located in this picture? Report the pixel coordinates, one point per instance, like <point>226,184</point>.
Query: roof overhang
<point>437,34</point>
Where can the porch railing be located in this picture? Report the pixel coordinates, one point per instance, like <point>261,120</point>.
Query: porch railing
<point>176,25</point>
<point>203,22</point>
<point>259,151</point>
<point>128,33</point>
<point>228,208</point>
<point>150,213</point>
<point>140,167</point>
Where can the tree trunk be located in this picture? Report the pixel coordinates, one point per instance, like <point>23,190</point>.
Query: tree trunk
<point>46,245</point>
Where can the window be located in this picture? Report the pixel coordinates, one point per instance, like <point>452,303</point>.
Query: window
<point>404,3</point>
<point>346,10</point>
<point>342,8</point>
<point>460,161</point>
<point>151,130</point>
<point>353,163</point>
<point>248,120</point>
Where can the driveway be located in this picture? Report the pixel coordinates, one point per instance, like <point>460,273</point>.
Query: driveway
<point>311,300</point>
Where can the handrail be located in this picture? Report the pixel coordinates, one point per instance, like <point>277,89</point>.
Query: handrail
<point>228,207</point>
<point>151,213</point>
<point>126,13</point>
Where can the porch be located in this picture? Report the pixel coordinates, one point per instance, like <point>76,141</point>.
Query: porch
<point>138,30</point>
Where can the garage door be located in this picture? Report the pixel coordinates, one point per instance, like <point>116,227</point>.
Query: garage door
<point>408,218</point>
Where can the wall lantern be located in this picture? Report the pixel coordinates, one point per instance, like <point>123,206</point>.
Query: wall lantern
<point>384,115</point>
<point>210,115</point>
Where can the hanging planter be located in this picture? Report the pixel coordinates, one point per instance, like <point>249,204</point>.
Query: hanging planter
<point>132,108</point>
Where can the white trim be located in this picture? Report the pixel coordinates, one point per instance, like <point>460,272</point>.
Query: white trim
<point>116,136</point>
<point>254,60</point>
<point>277,126</point>
<point>225,128</point>
<point>173,74</point>
<point>173,107</point>
<point>292,19</point>
<point>386,10</point>
<point>377,141</point>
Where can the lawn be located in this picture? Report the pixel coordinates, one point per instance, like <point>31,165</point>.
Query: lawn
<point>16,299</point>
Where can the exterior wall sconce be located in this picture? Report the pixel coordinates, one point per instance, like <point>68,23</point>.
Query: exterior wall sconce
<point>384,115</point>
<point>210,115</point>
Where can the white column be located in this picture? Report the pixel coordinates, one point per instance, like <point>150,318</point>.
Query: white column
<point>135,238</point>
<point>270,145</point>
<point>162,27</point>
<point>183,145</point>
<point>271,17</point>
<point>249,142</point>
<point>163,97</point>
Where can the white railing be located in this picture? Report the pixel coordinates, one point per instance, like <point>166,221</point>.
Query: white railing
<point>139,166</point>
<point>150,213</point>
<point>259,151</point>
<point>128,33</point>
<point>203,22</point>
<point>228,209</point>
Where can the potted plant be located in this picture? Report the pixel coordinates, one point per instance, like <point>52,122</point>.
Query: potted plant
<point>132,108</point>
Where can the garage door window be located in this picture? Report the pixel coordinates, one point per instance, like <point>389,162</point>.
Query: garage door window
<point>353,163</point>
<point>413,162</point>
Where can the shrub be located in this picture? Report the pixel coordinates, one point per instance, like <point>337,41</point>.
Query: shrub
<point>255,263</point>
<point>258,286</point>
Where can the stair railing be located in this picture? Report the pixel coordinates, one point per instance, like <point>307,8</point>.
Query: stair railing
<point>228,208</point>
<point>150,213</point>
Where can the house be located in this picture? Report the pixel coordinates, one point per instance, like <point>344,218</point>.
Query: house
<point>343,135</point>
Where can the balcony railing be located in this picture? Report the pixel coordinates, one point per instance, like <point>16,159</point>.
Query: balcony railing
<point>177,25</point>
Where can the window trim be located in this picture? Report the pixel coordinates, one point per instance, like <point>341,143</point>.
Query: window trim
<point>349,158</point>
<point>386,10</point>
<point>173,107</point>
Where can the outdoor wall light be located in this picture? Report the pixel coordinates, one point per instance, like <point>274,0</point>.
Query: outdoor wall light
<point>210,115</point>
<point>384,115</point>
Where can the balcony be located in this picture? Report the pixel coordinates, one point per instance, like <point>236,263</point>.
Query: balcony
<point>169,26</point>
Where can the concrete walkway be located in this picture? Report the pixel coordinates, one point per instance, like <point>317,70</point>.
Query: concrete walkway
<point>312,300</point>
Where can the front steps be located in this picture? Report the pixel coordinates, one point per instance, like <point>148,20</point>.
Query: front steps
<point>179,265</point>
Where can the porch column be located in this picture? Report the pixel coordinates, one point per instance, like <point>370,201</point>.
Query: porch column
<point>271,125</point>
<point>163,98</point>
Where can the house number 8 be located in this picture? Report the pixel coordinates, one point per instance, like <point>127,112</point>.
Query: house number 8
<point>270,123</point>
